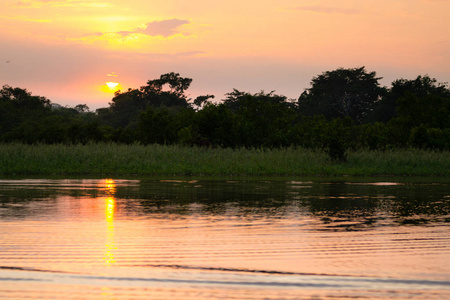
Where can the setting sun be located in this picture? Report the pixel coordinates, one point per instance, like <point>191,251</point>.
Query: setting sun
<point>112,85</point>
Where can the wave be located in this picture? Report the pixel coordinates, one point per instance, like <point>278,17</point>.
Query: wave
<point>212,276</point>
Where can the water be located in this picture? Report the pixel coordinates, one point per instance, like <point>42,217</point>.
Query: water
<point>225,239</point>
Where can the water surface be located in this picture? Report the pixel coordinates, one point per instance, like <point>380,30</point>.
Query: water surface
<point>224,239</point>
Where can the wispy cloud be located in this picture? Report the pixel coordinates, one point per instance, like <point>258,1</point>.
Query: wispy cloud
<point>154,55</point>
<point>61,3</point>
<point>326,9</point>
<point>156,29</point>
<point>25,19</point>
<point>163,28</point>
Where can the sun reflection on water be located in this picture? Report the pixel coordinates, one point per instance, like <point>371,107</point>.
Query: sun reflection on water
<point>110,186</point>
<point>110,205</point>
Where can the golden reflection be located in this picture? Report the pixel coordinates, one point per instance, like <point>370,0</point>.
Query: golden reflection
<point>110,186</point>
<point>110,206</point>
<point>107,293</point>
<point>110,246</point>
<point>109,210</point>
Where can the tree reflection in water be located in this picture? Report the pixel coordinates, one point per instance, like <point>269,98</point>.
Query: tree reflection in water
<point>357,203</point>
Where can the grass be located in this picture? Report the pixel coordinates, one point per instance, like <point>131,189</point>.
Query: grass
<point>114,159</point>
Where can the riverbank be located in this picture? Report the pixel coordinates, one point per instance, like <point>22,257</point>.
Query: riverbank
<point>113,159</point>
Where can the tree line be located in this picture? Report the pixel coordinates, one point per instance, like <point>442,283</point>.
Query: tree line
<point>342,109</point>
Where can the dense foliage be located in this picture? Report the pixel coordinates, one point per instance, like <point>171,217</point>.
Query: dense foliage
<point>343,109</point>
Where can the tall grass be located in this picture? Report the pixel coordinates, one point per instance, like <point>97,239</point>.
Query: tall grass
<point>96,159</point>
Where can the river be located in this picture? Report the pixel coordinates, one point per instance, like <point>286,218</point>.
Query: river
<point>225,238</point>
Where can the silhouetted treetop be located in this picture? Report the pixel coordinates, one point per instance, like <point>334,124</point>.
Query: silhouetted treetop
<point>236,99</point>
<point>127,106</point>
<point>176,83</point>
<point>342,93</point>
<point>23,98</point>
<point>422,86</point>
<point>203,100</point>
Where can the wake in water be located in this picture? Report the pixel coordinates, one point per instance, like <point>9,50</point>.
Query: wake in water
<point>210,276</point>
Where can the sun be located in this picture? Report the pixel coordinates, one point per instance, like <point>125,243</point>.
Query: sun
<point>112,85</point>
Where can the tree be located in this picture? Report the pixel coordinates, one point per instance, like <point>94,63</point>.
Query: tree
<point>201,101</point>
<point>336,139</point>
<point>82,108</point>
<point>157,126</point>
<point>17,106</point>
<point>166,92</point>
<point>124,109</point>
<point>422,86</point>
<point>155,94</point>
<point>214,125</point>
<point>23,98</point>
<point>237,99</point>
<point>261,119</point>
<point>342,93</point>
<point>177,84</point>
<point>430,110</point>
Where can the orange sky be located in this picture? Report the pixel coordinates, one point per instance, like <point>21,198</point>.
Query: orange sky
<point>65,49</point>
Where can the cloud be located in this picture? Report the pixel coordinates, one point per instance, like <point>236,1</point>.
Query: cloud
<point>326,9</point>
<point>25,19</point>
<point>154,56</point>
<point>61,3</point>
<point>163,28</point>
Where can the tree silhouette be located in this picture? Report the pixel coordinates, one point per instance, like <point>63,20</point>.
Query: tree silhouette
<point>422,86</point>
<point>341,93</point>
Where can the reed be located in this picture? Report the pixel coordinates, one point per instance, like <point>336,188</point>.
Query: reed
<point>136,159</point>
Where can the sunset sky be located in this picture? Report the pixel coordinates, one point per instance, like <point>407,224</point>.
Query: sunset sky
<point>67,50</point>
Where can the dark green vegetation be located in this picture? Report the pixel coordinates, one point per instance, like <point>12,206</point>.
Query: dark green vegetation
<point>343,113</point>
